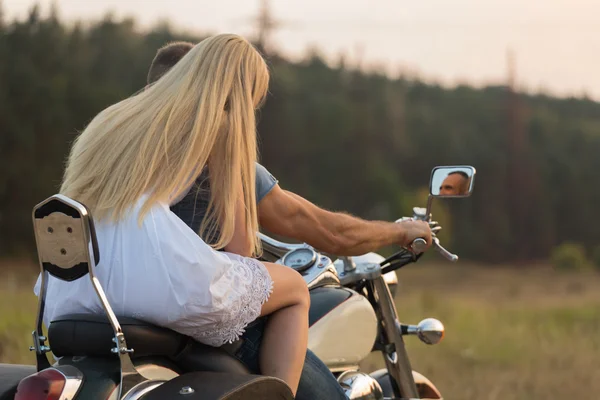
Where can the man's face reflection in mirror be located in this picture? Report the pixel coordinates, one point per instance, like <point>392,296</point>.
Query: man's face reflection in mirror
<point>455,184</point>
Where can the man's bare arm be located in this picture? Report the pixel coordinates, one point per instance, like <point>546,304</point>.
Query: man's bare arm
<point>287,214</point>
<point>240,242</point>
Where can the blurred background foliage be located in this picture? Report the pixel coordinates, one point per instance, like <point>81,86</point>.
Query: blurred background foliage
<point>341,137</point>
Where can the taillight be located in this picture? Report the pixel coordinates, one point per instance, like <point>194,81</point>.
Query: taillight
<point>46,385</point>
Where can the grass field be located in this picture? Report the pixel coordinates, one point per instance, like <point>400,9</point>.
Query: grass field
<point>510,333</point>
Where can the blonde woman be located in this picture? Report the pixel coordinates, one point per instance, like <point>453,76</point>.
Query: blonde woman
<point>139,156</point>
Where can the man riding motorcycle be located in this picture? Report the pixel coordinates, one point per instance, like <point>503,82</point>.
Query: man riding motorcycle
<point>288,214</point>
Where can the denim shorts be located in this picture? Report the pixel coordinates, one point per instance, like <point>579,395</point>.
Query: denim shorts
<point>248,350</point>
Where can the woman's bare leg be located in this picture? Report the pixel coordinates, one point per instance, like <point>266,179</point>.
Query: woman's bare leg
<point>286,333</point>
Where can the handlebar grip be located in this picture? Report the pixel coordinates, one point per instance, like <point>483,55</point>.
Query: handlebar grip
<point>419,245</point>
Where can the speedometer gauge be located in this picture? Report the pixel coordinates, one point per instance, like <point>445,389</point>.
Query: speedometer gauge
<point>300,259</point>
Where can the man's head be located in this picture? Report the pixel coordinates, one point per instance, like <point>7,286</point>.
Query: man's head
<point>455,184</point>
<point>166,57</point>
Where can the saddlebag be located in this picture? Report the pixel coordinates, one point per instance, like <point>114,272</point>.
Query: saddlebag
<point>221,386</point>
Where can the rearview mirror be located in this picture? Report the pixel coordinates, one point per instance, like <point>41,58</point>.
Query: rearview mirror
<point>452,181</point>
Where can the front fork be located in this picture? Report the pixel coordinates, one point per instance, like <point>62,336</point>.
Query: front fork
<point>394,351</point>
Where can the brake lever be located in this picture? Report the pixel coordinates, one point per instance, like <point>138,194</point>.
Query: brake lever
<point>419,246</point>
<point>443,252</point>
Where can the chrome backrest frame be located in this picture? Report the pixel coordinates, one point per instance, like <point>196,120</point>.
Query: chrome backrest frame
<point>129,375</point>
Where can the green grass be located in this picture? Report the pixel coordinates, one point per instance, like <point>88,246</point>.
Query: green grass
<point>510,333</point>
<point>18,307</point>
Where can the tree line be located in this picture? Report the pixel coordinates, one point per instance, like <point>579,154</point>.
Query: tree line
<point>341,137</point>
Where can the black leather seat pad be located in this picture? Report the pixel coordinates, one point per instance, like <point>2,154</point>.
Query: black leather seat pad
<point>91,335</point>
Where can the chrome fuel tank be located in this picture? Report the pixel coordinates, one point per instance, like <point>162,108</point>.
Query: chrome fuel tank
<point>343,327</point>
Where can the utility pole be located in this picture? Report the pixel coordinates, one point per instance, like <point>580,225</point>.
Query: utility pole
<point>516,133</point>
<point>521,183</point>
<point>265,25</point>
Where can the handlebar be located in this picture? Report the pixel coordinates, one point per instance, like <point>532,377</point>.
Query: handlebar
<point>277,249</point>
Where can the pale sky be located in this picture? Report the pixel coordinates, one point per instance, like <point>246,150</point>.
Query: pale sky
<point>556,42</point>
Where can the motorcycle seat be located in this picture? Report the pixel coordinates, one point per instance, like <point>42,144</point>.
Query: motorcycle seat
<point>92,336</point>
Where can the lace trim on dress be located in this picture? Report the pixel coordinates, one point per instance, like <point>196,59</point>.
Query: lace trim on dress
<point>256,286</point>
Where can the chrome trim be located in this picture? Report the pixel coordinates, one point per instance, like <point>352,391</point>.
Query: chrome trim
<point>431,196</point>
<point>39,339</point>
<point>471,185</point>
<point>392,357</point>
<point>419,245</point>
<point>276,249</point>
<point>141,389</point>
<point>397,361</point>
<point>327,277</point>
<point>427,215</point>
<point>322,272</point>
<point>186,390</point>
<point>443,252</point>
<point>360,386</point>
<point>129,376</point>
<point>349,264</point>
<point>370,258</point>
<point>429,331</point>
<point>156,372</point>
<point>368,271</point>
<point>73,380</point>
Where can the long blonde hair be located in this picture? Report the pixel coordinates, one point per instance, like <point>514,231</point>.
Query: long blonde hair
<point>200,113</point>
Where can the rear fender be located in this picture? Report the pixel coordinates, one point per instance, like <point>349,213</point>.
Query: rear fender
<point>101,375</point>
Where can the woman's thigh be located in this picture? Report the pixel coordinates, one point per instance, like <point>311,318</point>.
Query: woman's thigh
<point>289,288</point>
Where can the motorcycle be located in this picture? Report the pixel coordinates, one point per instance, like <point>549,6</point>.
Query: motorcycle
<point>105,357</point>
<point>352,298</point>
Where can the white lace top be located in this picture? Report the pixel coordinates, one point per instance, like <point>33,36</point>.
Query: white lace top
<point>163,273</point>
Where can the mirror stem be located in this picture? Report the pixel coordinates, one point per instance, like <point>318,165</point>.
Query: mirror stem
<point>429,205</point>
